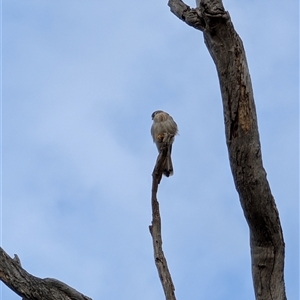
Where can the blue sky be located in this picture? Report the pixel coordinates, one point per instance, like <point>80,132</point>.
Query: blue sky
<point>80,80</point>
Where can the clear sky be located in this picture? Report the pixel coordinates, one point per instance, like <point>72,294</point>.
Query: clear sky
<point>80,80</point>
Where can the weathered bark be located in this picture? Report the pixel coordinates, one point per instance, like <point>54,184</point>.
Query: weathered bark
<point>33,288</point>
<point>155,228</point>
<point>242,137</point>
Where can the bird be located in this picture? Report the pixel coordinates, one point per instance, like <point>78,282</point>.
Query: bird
<point>163,124</point>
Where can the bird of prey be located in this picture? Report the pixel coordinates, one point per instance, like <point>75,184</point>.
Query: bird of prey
<point>163,124</point>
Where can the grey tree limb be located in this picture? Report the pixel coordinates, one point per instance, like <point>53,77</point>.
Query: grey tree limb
<point>243,143</point>
<point>30,287</point>
<point>155,227</point>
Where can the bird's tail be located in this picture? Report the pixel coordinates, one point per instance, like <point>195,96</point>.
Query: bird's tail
<point>168,169</point>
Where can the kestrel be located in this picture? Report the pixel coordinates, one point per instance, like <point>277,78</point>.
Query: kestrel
<point>163,124</point>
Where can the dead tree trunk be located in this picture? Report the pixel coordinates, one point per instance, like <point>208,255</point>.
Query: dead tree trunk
<point>242,137</point>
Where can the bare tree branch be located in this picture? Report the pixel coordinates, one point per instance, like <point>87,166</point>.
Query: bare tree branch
<point>155,228</point>
<point>242,137</point>
<point>30,287</point>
